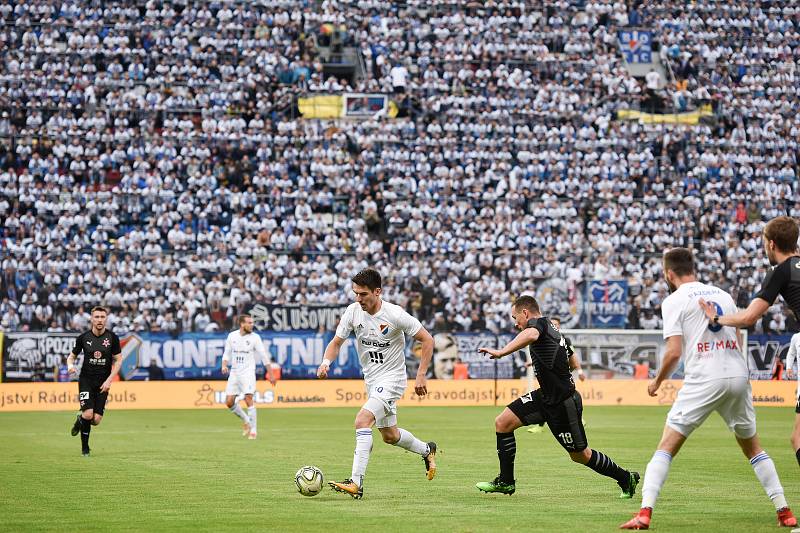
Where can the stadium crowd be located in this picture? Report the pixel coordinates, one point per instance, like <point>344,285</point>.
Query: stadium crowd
<point>152,156</point>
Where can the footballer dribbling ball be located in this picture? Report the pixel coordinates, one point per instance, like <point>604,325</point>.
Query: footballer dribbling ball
<point>309,480</point>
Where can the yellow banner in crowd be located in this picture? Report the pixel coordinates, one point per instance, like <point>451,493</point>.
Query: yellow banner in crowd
<point>691,118</point>
<point>44,396</point>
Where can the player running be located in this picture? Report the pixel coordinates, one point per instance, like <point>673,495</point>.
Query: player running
<point>380,329</point>
<point>716,379</point>
<point>241,347</point>
<point>555,401</point>
<point>102,358</point>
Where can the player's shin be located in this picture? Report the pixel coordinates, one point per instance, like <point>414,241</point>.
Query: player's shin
<point>361,455</point>
<point>86,428</point>
<point>602,464</point>
<point>506,453</point>
<point>253,416</point>
<point>238,411</point>
<point>655,476</point>
<point>766,473</point>
<point>409,442</point>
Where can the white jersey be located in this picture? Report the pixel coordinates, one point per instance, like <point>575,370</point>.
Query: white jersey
<point>709,351</point>
<point>241,351</point>
<point>793,357</point>
<point>380,340</point>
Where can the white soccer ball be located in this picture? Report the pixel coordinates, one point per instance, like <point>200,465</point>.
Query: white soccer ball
<point>309,480</point>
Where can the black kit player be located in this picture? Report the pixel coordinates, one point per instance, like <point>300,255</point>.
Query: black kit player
<point>555,402</point>
<point>780,244</point>
<point>102,358</point>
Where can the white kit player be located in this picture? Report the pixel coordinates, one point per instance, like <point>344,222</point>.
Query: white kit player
<point>380,329</point>
<point>241,349</point>
<point>716,379</point>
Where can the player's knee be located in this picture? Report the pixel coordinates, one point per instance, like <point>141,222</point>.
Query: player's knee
<point>582,456</point>
<point>503,425</point>
<point>88,414</point>
<point>96,420</point>
<point>364,421</point>
<point>391,438</point>
<point>229,403</point>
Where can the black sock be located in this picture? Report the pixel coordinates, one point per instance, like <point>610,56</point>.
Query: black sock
<point>506,451</point>
<point>86,427</point>
<point>797,454</point>
<point>602,464</point>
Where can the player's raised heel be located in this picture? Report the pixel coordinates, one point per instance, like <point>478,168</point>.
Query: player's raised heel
<point>430,461</point>
<point>245,430</point>
<point>640,520</point>
<point>348,486</point>
<point>496,486</point>
<point>633,482</point>
<point>786,518</point>
<point>252,435</point>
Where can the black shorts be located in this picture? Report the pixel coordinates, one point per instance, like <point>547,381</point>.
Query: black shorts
<point>565,419</point>
<point>90,397</point>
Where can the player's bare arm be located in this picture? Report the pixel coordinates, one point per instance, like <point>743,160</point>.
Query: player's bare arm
<point>574,364</point>
<point>421,384</point>
<point>330,355</point>
<point>523,339</point>
<point>106,386</point>
<point>743,319</point>
<point>71,364</point>
<point>672,355</point>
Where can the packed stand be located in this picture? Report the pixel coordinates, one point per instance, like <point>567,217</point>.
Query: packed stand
<point>153,158</point>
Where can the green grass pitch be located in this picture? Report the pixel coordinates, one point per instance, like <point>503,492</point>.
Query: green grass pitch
<point>192,471</point>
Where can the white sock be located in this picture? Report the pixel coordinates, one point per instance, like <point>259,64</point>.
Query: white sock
<point>251,413</point>
<point>765,472</point>
<point>237,410</point>
<point>655,476</point>
<point>412,443</point>
<point>361,456</point>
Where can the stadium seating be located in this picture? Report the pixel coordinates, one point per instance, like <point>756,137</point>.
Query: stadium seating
<point>152,156</point>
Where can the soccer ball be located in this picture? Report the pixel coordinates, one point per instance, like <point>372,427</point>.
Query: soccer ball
<point>309,480</point>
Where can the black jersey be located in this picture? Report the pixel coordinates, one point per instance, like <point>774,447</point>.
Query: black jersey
<point>784,279</point>
<point>551,362</point>
<point>98,353</point>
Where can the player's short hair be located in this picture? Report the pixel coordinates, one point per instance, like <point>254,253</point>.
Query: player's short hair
<point>556,318</point>
<point>369,277</point>
<point>527,302</point>
<point>99,308</point>
<point>243,317</point>
<point>680,261</point>
<point>784,232</point>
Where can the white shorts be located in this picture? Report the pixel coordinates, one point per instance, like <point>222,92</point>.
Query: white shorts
<point>382,402</point>
<point>241,384</point>
<point>732,398</point>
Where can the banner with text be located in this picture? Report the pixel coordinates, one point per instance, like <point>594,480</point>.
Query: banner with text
<point>268,317</point>
<point>350,393</point>
<point>608,303</point>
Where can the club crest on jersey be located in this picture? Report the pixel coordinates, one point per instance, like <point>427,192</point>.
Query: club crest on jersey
<point>106,343</point>
<point>384,329</point>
